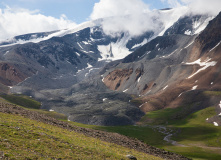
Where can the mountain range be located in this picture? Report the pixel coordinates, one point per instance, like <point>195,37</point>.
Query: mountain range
<point>101,78</point>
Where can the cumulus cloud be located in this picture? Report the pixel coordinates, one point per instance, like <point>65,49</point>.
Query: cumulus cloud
<point>19,21</point>
<point>128,16</point>
<point>108,8</point>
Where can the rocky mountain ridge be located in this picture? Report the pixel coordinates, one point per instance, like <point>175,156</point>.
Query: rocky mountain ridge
<point>66,69</point>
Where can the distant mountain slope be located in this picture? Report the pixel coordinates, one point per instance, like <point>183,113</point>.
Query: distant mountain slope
<point>172,70</point>
<point>64,69</point>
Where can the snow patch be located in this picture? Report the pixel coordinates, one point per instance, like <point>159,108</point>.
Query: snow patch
<point>86,74</point>
<point>104,99</point>
<point>79,71</point>
<point>51,110</point>
<point>194,88</point>
<point>77,54</point>
<point>142,104</point>
<point>180,94</point>
<point>215,46</point>
<point>200,27</point>
<point>138,80</point>
<point>80,45</point>
<point>211,83</point>
<point>125,90</point>
<point>220,107</point>
<point>189,44</point>
<point>188,32</point>
<point>169,54</point>
<point>196,24</point>
<point>207,119</point>
<point>89,66</point>
<point>141,44</point>
<point>6,53</point>
<point>205,65</point>
<point>215,124</point>
<point>85,42</point>
<point>115,51</point>
<point>165,88</point>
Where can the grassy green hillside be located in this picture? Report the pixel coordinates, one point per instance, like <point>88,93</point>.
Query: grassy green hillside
<point>22,138</point>
<point>22,100</point>
<point>195,137</point>
<point>31,104</point>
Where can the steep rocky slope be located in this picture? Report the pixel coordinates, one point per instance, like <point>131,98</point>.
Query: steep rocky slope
<point>64,69</point>
<point>172,70</point>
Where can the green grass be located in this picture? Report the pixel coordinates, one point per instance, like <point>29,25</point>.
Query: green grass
<point>22,138</point>
<point>212,93</point>
<point>168,116</point>
<point>31,104</point>
<point>198,136</point>
<point>22,100</point>
<point>195,129</point>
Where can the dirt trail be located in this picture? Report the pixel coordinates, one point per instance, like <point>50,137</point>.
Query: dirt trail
<point>104,136</point>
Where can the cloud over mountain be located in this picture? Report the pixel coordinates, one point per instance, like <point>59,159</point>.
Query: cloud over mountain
<point>17,21</point>
<point>211,7</point>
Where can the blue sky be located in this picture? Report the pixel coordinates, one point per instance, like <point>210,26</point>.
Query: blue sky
<point>75,10</point>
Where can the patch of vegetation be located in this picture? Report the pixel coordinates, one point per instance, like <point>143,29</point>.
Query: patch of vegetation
<point>199,140</point>
<point>146,134</point>
<point>22,138</point>
<point>58,116</point>
<point>22,100</point>
<point>136,100</point>
<point>168,116</point>
<point>195,128</point>
<point>212,93</point>
<point>31,104</point>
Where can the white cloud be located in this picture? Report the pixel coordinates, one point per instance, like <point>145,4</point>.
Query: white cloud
<point>108,8</point>
<point>132,16</point>
<point>212,7</point>
<point>19,21</point>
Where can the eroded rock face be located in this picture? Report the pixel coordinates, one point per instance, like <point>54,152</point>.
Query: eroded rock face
<point>114,79</point>
<point>11,74</point>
